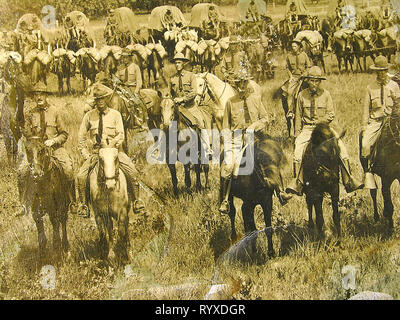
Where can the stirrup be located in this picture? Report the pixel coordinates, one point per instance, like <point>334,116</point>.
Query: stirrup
<point>138,206</point>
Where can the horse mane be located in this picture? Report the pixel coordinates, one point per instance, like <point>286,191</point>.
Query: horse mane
<point>320,134</point>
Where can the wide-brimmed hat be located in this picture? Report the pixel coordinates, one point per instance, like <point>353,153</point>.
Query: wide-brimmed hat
<point>39,87</point>
<point>315,72</point>
<point>180,57</point>
<point>297,42</point>
<point>100,91</point>
<point>380,64</point>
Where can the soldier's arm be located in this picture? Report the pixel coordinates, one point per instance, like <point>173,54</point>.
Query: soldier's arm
<point>82,137</point>
<point>330,111</point>
<point>261,123</point>
<point>139,80</point>
<point>120,133</point>
<point>190,94</point>
<point>366,108</point>
<point>62,132</point>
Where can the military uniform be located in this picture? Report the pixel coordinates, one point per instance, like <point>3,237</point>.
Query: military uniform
<point>54,129</point>
<point>98,129</point>
<point>231,61</point>
<point>297,63</point>
<point>314,108</point>
<point>131,78</point>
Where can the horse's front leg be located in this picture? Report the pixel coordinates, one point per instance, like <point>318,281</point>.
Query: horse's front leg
<point>55,222</point>
<point>101,227</point>
<point>319,216</point>
<point>373,193</point>
<point>285,107</point>
<point>248,216</point>
<point>122,241</point>
<point>335,210</point>
<point>310,204</point>
<point>188,181</point>
<point>387,200</point>
<point>172,170</point>
<point>197,168</point>
<point>232,216</point>
<point>266,205</point>
<point>63,220</point>
<point>38,218</point>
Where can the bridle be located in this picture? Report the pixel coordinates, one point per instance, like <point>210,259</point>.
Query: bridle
<point>211,94</point>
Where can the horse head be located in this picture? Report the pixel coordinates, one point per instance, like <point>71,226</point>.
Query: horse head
<point>108,159</point>
<point>168,112</point>
<point>39,157</point>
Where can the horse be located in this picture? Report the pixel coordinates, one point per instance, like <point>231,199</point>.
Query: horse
<point>110,200</point>
<point>219,92</point>
<point>386,155</point>
<point>110,65</point>
<point>64,69</point>
<point>88,67</point>
<point>169,114</point>
<point>321,175</point>
<point>344,51</point>
<point>362,45</point>
<point>258,188</point>
<point>50,193</point>
<point>327,29</point>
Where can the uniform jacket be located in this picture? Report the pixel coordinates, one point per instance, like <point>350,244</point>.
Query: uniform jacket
<point>297,63</point>
<point>235,117</point>
<point>131,76</point>
<point>188,84</point>
<point>54,126</point>
<point>309,113</point>
<point>373,107</point>
<point>113,130</point>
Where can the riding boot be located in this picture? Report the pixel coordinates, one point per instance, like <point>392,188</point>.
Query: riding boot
<point>296,185</point>
<point>350,183</point>
<point>369,180</point>
<point>225,191</point>
<point>138,205</point>
<point>83,209</point>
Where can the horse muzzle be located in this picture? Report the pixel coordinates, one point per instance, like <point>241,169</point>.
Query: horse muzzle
<point>111,183</point>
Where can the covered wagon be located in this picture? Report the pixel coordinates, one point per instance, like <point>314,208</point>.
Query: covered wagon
<point>121,27</point>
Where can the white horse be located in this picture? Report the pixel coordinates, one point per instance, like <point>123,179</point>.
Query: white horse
<point>210,87</point>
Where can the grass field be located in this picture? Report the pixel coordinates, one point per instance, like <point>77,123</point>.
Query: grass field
<point>197,235</point>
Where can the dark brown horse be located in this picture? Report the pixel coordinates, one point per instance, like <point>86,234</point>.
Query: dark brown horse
<point>321,175</point>
<point>258,188</point>
<point>50,193</point>
<point>386,163</point>
<point>64,69</point>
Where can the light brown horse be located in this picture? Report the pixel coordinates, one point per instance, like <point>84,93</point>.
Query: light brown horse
<point>110,201</point>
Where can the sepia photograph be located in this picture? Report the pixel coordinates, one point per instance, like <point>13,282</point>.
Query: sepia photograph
<point>187,150</point>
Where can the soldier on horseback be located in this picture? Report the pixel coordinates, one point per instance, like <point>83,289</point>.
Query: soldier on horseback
<point>297,64</point>
<point>315,106</point>
<point>128,72</point>
<point>235,54</point>
<point>44,121</point>
<point>182,90</point>
<point>101,127</point>
<point>245,112</point>
<point>381,97</point>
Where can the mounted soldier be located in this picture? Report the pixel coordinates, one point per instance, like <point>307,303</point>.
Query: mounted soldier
<point>100,127</point>
<point>252,12</point>
<point>182,90</point>
<point>43,120</point>
<point>245,113</point>
<point>297,64</point>
<point>292,18</point>
<point>382,95</point>
<point>129,77</point>
<point>232,57</point>
<point>315,106</point>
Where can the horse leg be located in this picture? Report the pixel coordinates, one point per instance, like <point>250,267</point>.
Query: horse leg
<point>63,220</point>
<point>206,170</point>
<point>266,205</point>
<point>310,204</point>
<point>55,222</point>
<point>188,181</point>
<point>373,193</point>
<point>248,216</point>
<point>232,215</point>
<point>172,170</point>
<point>122,241</point>
<point>335,210</point>
<point>197,169</point>
<point>286,109</point>
<point>387,200</point>
<point>319,215</point>
<point>60,84</point>
<point>38,218</point>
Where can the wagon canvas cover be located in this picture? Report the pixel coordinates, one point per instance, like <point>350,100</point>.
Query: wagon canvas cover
<point>157,13</point>
<point>124,20</point>
<point>243,6</point>
<point>199,14</point>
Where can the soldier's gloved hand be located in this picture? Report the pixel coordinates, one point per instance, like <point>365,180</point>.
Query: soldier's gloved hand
<point>290,115</point>
<point>178,100</point>
<point>49,143</point>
